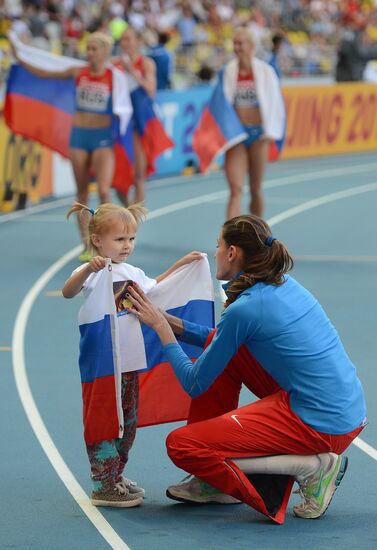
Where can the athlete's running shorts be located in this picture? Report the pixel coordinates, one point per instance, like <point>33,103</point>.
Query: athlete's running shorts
<point>91,139</point>
<point>254,132</point>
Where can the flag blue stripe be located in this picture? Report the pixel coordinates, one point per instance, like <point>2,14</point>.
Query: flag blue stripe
<point>126,140</point>
<point>56,93</point>
<point>192,311</point>
<point>143,109</point>
<point>96,353</point>
<point>224,114</point>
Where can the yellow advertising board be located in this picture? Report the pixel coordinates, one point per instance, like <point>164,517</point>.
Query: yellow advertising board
<point>25,170</point>
<point>326,120</point>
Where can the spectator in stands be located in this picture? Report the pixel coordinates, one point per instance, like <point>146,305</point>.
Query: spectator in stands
<point>164,62</point>
<point>73,30</point>
<point>136,17</point>
<point>353,15</point>
<point>277,41</point>
<point>37,19</point>
<point>205,75</point>
<point>204,27</point>
<point>5,22</point>
<point>54,28</point>
<point>186,26</point>
<point>257,25</point>
<point>354,52</point>
<point>217,31</point>
<point>117,23</point>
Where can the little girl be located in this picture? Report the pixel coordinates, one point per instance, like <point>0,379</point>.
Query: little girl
<point>112,233</point>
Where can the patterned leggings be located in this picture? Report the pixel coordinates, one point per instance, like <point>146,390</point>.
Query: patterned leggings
<point>108,458</point>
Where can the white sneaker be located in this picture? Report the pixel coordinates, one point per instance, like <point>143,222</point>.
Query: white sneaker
<point>133,487</point>
<point>196,491</point>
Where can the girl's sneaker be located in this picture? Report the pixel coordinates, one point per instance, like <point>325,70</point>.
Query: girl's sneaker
<point>132,487</point>
<point>117,496</point>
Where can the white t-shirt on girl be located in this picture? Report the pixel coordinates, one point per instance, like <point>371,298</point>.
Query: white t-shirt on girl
<point>121,273</point>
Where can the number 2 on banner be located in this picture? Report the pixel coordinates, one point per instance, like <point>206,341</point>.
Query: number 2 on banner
<point>364,117</point>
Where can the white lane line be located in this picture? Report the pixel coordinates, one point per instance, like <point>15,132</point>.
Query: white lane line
<point>46,218</point>
<point>268,184</point>
<point>363,446</point>
<point>286,200</point>
<point>173,180</point>
<point>30,210</point>
<point>332,197</point>
<point>20,373</point>
<point>323,174</point>
<point>340,259</point>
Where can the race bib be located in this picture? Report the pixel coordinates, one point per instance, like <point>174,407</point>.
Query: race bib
<point>92,96</point>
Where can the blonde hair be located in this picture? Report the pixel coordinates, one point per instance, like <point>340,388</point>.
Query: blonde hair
<point>104,39</point>
<point>103,218</point>
<point>243,31</point>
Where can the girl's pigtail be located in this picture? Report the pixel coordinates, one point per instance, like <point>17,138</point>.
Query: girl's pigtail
<point>77,207</point>
<point>138,212</point>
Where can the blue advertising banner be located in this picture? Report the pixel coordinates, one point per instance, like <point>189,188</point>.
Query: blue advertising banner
<point>180,112</point>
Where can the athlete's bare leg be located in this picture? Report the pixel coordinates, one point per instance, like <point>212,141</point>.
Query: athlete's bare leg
<point>103,164</point>
<point>140,169</point>
<point>80,160</point>
<point>235,171</point>
<point>257,157</point>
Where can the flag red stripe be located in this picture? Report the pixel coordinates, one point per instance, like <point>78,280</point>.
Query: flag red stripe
<point>99,410</point>
<point>124,170</point>
<point>207,140</point>
<point>38,121</point>
<point>155,141</point>
<point>161,397</point>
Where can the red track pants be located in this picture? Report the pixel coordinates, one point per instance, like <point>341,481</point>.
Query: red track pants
<point>218,431</point>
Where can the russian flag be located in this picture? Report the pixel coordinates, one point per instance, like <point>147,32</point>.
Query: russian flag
<point>219,128</point>
<point>113,343</point>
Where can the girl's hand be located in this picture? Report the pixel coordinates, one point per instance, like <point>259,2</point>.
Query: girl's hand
<point>189,258</point>
<point>96,264</point>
